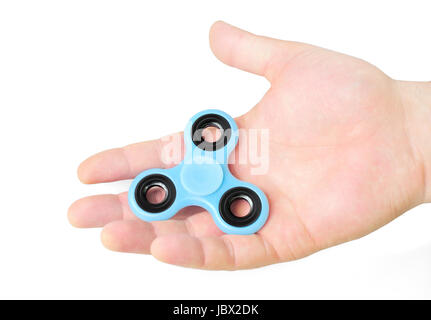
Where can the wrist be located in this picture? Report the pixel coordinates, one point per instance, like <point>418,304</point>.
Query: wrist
<point>416,100</point>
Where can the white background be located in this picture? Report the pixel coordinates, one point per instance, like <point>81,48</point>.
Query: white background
<point>77,77</point>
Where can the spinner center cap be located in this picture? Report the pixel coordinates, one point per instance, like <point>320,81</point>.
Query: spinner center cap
<point>202,177</point>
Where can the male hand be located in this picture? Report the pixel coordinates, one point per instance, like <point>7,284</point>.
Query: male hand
<point>348,152</point>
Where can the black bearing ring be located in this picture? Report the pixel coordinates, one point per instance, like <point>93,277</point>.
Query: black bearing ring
<point>240,193</point>
<point>150,181</point>
<point>210,120</point>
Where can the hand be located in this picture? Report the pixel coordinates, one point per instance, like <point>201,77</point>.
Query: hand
<point>346,156</point>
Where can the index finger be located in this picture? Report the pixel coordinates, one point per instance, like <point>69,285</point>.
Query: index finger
<point>127,162</point>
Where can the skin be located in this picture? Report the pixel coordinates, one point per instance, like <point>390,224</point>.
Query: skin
<point>348,153</point>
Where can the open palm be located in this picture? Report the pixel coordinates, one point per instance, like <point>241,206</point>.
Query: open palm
<point>341,163</point>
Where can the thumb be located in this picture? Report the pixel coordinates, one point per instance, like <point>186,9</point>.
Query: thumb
<point>249,52</point>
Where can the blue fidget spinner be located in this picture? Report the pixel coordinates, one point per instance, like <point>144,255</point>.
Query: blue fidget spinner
<point>202,179</point>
